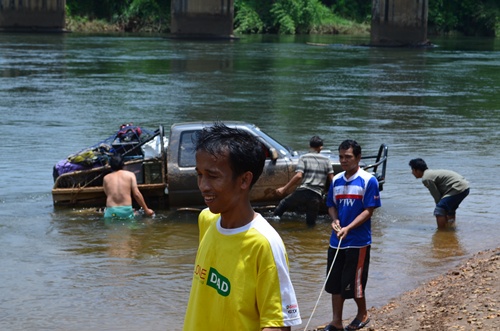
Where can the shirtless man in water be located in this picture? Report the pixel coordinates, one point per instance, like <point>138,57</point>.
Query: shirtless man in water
<point>119,187</point>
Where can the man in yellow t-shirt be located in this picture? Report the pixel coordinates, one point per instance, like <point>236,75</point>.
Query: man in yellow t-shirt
<point>241,279</point>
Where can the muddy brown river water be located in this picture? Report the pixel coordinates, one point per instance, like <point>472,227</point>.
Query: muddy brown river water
<point>66,270</point>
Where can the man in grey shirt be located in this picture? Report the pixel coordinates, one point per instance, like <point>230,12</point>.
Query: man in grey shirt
<point>314,172</point>
<point>447,187</point>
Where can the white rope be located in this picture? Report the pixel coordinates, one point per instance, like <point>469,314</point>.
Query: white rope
<point>324,284</point>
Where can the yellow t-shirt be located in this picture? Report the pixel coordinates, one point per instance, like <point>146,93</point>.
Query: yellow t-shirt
<point>241,279</point>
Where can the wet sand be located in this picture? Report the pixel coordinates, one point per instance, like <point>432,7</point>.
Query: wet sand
<point>465,298</point>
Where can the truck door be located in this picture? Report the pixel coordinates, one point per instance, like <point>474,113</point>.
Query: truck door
<point>182,178</point>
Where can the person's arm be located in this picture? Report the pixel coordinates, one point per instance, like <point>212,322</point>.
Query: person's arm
<point>329,180</point>
<point>433,189</point>
<point>291,183</point>
<point>332,211</point>
<point>360,219</point>
<point>139,198</point>
<point>105,185</point>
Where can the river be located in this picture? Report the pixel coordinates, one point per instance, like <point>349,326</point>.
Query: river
<point>66,270</point>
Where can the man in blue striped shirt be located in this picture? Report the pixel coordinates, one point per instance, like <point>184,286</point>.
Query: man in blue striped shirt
<point>351,200</point>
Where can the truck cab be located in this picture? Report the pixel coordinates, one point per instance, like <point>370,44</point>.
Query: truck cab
<point>182,183</point>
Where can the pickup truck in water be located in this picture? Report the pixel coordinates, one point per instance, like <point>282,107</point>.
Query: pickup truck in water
<point>165,168</point>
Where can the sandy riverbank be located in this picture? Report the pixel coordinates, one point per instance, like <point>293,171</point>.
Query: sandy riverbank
<point>465,298</point>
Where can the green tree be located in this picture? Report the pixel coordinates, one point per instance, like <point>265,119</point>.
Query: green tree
<point>279,16</point>
<point>470,17</point>
<point>357,10</point>
<point>132,15</point>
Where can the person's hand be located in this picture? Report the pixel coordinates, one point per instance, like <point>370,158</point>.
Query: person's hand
<point>341,232</point>
<point>280,191</point>
<point>149,212</point>
<point>336,226</point>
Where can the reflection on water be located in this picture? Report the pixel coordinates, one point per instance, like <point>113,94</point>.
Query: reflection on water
<point>67,270</point>
<point>122,242</point>
<point>445,244</point>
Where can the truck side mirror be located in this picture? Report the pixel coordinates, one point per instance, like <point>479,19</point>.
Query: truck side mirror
<point>273,154</point>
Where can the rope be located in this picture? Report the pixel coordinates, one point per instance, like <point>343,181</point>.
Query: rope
<point>324,284</point>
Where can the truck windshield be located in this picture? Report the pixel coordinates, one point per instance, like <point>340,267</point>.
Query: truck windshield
<point>283,150</point>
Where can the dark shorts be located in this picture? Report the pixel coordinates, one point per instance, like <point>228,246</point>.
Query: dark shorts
<point>448,206</point>
<point>299,199</point>
<point>349,273</point>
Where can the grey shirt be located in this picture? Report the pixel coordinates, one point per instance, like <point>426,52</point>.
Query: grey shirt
<point>316,168</point>
<point>444,183</point>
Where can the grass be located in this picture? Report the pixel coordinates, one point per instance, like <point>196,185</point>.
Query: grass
<point>338,25</point>
<point>84,24</point>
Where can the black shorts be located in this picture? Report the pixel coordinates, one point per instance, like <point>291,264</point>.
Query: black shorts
<point>350,272</point>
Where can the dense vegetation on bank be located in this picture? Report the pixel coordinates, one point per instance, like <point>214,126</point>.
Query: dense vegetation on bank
<point>469,17</point>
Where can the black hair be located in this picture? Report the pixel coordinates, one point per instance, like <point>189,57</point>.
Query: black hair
<point>116,162</point>
<point>244,149</point>
<point>418,164</point>
<point>315,142</point>
<point>346,144</point>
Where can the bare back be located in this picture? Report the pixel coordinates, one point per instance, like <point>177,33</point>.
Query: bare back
<point>118,187</point>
